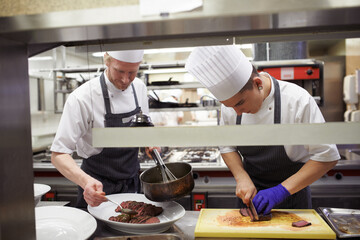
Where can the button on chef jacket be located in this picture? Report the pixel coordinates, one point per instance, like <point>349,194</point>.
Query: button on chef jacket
<point>85,104</point>
<point>297,106</point>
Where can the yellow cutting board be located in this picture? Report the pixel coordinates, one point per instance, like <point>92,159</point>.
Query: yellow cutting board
<point>229,223</point>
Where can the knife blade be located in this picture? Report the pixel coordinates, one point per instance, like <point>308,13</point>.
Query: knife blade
<point>254,215</point>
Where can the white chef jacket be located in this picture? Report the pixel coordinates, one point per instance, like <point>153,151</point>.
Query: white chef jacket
<point>85,109</point>
<point>297,106</point>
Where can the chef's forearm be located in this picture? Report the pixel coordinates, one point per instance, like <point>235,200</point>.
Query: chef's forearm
<point>234,163</point>
<point>309,173</point>
<point>67,166</point>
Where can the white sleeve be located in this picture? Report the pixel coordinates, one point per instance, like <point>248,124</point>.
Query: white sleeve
<point>73,125</point>
<point>310,113</point>
<point>225,120</point>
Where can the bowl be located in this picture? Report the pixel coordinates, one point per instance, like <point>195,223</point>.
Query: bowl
<point>39,191</point>
<point>172,212</point>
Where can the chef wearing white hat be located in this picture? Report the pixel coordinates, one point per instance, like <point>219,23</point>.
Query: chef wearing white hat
<point>272,176</point>
<point>110,100</point>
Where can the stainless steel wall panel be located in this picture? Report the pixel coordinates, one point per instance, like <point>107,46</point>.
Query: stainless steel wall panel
<point>16,175</point>
<point>214,19</point>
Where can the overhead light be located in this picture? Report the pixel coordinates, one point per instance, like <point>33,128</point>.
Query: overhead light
<point>44,58</point>
<point>97,54</point>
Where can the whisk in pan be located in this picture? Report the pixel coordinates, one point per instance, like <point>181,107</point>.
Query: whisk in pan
<point>166,174</point>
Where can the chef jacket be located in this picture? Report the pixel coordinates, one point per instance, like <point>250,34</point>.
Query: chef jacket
<point>297,106</point>
<point>85,109</point>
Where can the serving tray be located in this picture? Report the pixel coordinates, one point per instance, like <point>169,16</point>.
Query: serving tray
<point>345,222</point>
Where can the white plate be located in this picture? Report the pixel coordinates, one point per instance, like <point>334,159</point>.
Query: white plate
<point>172,212</point>
<point>63,223</point>
<point>39,190</point>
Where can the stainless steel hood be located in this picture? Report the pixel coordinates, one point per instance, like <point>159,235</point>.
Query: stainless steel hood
<point>216,22</point>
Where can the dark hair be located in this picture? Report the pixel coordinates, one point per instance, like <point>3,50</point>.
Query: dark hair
<point>249,85</point>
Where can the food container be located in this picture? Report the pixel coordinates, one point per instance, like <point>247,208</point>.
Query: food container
<point>345,222</point>
<point>156,190</point>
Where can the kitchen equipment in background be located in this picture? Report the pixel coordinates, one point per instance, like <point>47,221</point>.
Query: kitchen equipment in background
<point>172,212</point>
<point>156,190</point>
<point>154,102</point>
<point>351,97</point>
<point>227,223</point>
<point>163,83</point>
<point>55,222</point>
<point>307,73</point>
<point>141,120</point>
<point>199,201</point>
<point>345,222</point>
<point>209,102</point>
<point>39,191</point>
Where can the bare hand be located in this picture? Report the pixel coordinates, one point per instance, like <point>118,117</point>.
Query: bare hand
<point>246,190</point>
<point>93,193</point>
<point>150,149</point>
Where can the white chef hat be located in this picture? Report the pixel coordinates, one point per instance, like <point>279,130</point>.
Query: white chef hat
<point>224,70</point>
<point>131,56</point>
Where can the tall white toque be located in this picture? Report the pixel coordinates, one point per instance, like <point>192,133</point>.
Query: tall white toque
<point>131,56</point>
<point>224,70</point>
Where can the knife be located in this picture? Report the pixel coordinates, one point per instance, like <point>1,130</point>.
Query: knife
<point>252,212</point>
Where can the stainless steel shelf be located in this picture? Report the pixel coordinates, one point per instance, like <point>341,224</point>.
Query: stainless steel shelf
<point>185,109</point>
<point>185,85</point>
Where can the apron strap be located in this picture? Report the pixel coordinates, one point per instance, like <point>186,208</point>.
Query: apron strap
<point>277,110</point>
<point>105,93</point>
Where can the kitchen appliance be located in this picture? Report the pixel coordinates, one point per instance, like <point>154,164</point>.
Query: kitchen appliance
<point>351,91</point>
<point>157,190</point>
<point>307,73</point>
<point>227,223</point>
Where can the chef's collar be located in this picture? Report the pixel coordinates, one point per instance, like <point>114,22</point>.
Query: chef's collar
<point>112,88</point>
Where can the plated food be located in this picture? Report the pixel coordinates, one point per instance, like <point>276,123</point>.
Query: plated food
<point>146,213</point>
<point>172,211</point>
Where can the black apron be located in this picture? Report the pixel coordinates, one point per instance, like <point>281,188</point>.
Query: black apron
<point>117,168</point>
<point>268,166</point>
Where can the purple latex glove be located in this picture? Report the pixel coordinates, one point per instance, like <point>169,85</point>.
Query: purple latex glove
<point>266,199</point>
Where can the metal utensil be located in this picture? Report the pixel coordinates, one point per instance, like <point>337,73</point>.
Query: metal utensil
<point>166,174</point>
<point>123,210</point>
<point>252,212</point>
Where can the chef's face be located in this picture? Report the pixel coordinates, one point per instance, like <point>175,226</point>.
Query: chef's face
<point>247,101</point>
<point>121,74</point>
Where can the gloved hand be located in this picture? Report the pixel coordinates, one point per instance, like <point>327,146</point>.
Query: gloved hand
<point>266,199</point>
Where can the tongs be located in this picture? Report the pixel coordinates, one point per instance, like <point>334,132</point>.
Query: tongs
<point>166,174</point>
